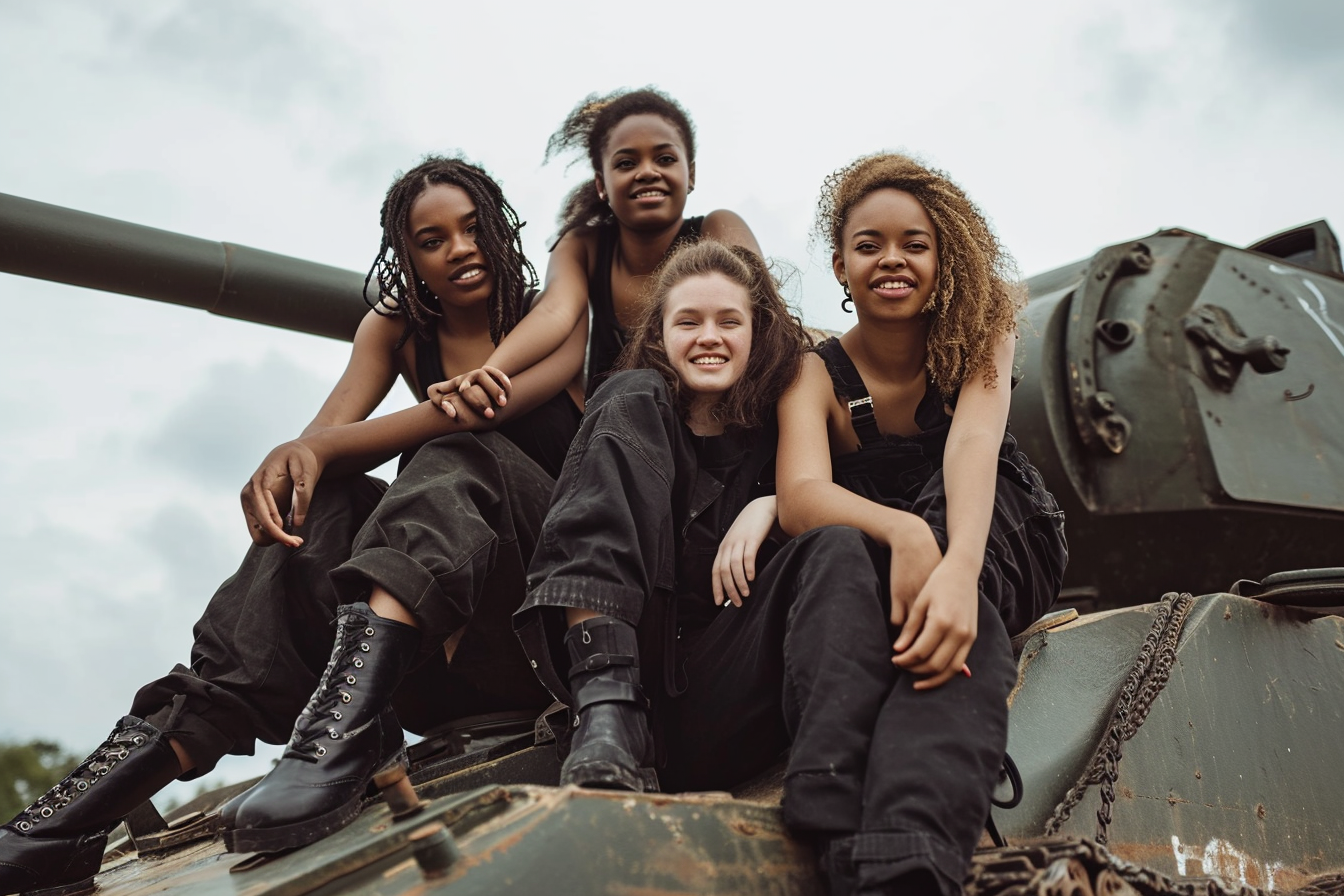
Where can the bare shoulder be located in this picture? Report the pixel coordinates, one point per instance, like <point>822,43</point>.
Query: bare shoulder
<point>727,226</point>
<point>380,329</point>
<point>574,248</point>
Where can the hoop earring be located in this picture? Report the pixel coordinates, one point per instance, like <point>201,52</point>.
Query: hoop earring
<point>848,301</point>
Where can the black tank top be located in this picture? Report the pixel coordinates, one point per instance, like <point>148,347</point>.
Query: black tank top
<point>543,433</point>
<point>607,336</point>
<point>893,469</point>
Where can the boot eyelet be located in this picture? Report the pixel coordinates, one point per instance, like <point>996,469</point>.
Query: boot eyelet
<point>345,698</point>
<point>336,714</point>
<point>333,734</point>
<point>138,740</point>
<point>359,663</point>
<point>369,632</point>
<point>46,812</point>
<point>82,786</point>
<point>104,770</point>
<point>364,646</point>
<point>124,753</point>
<point>25,826</point>
<point>321,750</point>
<point>349,679</point>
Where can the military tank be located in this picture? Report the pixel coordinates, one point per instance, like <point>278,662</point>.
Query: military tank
<point>1176,724</point>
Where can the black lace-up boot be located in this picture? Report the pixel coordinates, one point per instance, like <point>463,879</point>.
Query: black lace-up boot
<point>57,843</point>
<point>345,735</point>
<point>612,747</point>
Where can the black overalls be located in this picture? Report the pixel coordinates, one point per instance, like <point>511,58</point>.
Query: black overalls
<point>910,772</point>
<point>450,539</point>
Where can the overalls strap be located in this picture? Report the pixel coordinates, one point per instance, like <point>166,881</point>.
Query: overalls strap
<point>849,388</point>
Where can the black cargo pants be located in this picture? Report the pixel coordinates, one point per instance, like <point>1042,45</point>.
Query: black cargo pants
<point>449,539</point>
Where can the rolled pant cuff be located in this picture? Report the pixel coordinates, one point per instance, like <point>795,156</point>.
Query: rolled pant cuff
<point>822,801</point>
<point>186,719</point>
<point>883,857</point>
<point>402,577</point>
<point>626,604</point>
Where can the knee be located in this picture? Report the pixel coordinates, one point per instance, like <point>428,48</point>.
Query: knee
<point>836,548</point>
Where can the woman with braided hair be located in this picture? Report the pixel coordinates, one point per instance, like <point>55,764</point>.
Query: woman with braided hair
<point>615,229</point>
<point>895,460</point>
<point>427,570</point>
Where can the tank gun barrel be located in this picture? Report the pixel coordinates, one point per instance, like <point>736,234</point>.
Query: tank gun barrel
<point>50,242</point>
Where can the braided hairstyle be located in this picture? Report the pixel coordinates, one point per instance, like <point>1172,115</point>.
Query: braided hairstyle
<point>588,127</point>
<point>778,339</point>
<point>978,294</point>
<point>497,235</point>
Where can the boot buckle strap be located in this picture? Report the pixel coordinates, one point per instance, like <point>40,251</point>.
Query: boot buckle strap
<point>606,691</point>
<point>601,661</point>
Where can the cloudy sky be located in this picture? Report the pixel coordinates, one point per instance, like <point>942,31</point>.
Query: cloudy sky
<point>127,427</point>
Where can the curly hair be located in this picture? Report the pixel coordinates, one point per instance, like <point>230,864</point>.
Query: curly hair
<point>977,297</point>
<point>778,339</point>
<point>497,235</point>
<point>588,128</point>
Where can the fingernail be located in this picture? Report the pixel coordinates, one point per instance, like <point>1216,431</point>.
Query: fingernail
<point>966,670</point>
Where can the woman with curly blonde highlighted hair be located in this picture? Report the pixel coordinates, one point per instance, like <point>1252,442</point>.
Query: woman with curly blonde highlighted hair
<point>895,461</point>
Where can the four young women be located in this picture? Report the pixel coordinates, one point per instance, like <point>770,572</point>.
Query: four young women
<point>692,640</point>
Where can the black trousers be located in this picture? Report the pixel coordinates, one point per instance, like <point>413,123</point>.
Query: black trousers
<point>449,539</point>
<point>805,664</point>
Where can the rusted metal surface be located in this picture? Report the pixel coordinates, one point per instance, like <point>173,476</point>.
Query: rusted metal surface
<point>1236,765</point>
<point>514,840</point>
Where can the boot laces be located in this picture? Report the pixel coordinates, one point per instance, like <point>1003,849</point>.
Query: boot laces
<point>117,747</point>
<point>327,706</point>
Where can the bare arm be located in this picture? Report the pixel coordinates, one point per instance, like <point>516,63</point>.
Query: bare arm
<point>808,499</point>
<point>292,470</point>
<point>368,377</point>
<point>942,623</point>
<point>562,304</point>
<point>728,227</point>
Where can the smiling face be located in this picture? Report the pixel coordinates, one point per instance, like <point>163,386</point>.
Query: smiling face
<point>707,337</point>
<point>888,255</point>
<point>646,172</point>
<point>441,234</point>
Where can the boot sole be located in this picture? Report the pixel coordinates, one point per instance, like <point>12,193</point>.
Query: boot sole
<point>610,776</point>
<point>302,833</point>
<point>292,836</point>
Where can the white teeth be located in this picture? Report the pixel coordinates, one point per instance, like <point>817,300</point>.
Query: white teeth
<point>892,284</point>
<point>644,194</point>
<point>710,359</point>
<point>470,275</point>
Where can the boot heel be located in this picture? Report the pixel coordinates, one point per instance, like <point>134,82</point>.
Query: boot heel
<point>398,793</point>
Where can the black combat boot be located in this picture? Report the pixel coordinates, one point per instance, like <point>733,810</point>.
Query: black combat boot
<point>57,843</point>
<point>345,735</point>
<point>612,747</point>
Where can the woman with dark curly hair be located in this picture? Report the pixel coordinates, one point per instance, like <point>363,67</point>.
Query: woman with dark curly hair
<point>939,536</point>
<point>653,574</point>
<point>403,571</point>
<point>615,229</point>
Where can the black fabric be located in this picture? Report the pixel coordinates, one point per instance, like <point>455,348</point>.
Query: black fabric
<point>606,336</point>
<point>910,773</point>
<point>807,660</point>
<point>450,539</point>
<point>544,433</point>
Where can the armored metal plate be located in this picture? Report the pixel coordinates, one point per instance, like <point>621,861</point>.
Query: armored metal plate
<point>1278,438</point>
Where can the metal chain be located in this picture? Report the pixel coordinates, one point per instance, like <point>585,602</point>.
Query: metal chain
<point>1147,677</point>
<point>1038,869</point>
